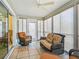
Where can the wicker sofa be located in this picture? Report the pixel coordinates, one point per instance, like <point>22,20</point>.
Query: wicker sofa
<point>24,38</point>
<point>74,54</point>
<point>53,43</point>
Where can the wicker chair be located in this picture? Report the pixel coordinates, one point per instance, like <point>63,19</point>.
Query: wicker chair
<point>74,54</point>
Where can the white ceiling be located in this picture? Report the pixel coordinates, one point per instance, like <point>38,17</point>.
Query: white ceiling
<point>30,7</point>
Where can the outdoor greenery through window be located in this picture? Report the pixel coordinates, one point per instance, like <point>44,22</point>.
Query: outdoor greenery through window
<point>3,31</point>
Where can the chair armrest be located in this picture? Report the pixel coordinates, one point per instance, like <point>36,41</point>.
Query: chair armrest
<point>42,38</point>
<point>74,52</point>
<point>28,37</point>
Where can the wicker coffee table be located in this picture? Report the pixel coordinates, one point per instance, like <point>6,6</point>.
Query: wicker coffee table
<point>49,56</point>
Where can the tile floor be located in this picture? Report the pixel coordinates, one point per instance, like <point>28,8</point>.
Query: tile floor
<point>33,51</point>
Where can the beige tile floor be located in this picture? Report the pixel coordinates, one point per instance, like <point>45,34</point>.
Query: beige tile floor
<point>33,51</point>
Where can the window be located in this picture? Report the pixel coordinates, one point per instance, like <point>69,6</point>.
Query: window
<point>24,25</point>
<point>20,25</point>
<point>67,28</point>
<point>56,24</point>
<point>0,28</point>
<point>39,29</point>
<point>67,21</point>
<point>48,26</point>
<point>63,23</point>
<point>78,26</point>
<point>3,30</point>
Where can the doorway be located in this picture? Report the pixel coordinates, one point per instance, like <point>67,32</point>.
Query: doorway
<point>32,31</point>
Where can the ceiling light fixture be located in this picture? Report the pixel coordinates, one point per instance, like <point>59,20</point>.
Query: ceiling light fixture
<point>44,4</point>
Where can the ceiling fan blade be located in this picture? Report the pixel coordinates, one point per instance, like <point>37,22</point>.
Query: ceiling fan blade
<point>49,3</point>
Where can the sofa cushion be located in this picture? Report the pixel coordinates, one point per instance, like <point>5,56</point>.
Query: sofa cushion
<point>56,39</point>
<point>49,37</point>
<point>46,44</point>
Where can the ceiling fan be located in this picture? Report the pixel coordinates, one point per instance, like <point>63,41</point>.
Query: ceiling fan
<point>44,4</point>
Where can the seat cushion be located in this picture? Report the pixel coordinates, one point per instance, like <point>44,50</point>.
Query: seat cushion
<point>56,39</point>
<point>28,39</point>
<point>46,44</point>
<point>73,57</point>
<point>49,40</point>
